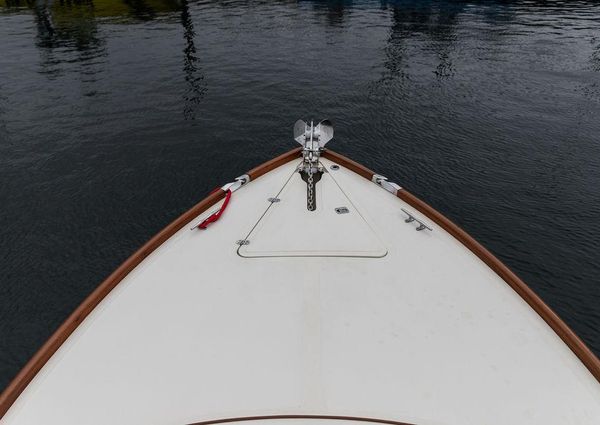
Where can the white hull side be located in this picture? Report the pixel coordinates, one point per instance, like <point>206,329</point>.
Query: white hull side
<point>426,334</point>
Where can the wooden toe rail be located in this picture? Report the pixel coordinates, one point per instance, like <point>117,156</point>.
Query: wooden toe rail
<point>582,351</point>
<point>24,377</point>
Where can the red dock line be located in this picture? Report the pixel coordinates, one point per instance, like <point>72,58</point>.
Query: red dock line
<point>215,216</point>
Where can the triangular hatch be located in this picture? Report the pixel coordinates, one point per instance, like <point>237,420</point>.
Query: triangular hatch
<point>288,229</point>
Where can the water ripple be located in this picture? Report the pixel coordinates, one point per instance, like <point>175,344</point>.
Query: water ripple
<point>116,116</point>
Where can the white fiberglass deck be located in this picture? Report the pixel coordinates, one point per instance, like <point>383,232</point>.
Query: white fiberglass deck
<point>421,332</point>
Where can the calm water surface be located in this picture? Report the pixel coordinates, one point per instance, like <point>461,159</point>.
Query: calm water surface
<point>118,115</point>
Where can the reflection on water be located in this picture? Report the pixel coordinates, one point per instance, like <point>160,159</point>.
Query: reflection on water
<point>436,21</point>
<point>333,11</point>
<point>71,12</point>
<point>193,74</point>
<point>117,115</point>
<point>59,28</point>
<point>63,26</point>
<point>595,56</point>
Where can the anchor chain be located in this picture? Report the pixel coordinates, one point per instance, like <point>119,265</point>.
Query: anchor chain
<point>310,190</point>
<point>313,139</point>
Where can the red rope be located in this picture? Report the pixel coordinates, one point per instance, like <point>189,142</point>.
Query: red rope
<point>215,216</point>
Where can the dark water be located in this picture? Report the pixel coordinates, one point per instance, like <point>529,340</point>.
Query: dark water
<point>118,115</point>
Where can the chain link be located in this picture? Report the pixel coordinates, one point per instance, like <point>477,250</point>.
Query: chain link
<point>311,189</point>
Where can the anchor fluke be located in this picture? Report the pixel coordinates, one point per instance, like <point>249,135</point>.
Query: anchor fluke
<point>325,132</point>
<point>306,134</point>
<point>300,128</point>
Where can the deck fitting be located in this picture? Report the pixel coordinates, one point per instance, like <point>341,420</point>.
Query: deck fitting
<point>411,218</point>
<point>384,183</point>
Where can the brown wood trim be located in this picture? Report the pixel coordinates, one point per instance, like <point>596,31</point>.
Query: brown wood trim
<point>587,357</point>
<point>24,377</point>
<point>328,417</point>
<point>349,164</point>
<point>581,350</point>
<point>20,382</point>
<point>274,163</point>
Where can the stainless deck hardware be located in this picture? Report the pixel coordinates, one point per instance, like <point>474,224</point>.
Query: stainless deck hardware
<point>243,242</point>
<point>411,218</point>
<point>232,186</point>
<point>335,167</point>
<point>342,210</point>
<point>273,200</point>
<point>384,183</point>
<point>313,139</point>
<point>237,183</point>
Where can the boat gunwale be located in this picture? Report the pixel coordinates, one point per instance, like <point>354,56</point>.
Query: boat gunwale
<point>62,333</point>
<point>568,336</point>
